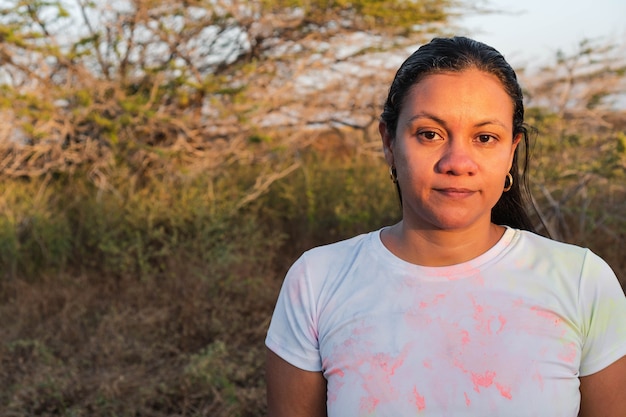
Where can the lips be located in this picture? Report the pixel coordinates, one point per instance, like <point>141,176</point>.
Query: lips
<point>455,192</point>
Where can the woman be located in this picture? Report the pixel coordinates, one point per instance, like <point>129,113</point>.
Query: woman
<point>459,309</point>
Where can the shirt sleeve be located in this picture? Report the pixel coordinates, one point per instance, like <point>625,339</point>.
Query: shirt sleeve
<point>293,333</point>
<point>603,306</point>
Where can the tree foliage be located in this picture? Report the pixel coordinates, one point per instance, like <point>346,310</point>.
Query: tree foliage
<point>585,82</point>
<point>578,104</point>
<point>194,87</point>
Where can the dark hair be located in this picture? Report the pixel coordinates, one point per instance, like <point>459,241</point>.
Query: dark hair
<point>454,55</point>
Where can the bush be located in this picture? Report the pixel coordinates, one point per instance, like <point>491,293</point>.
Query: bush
<point>153,297</point>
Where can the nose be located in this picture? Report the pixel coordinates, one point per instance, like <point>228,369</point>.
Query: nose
<point>457,158</point>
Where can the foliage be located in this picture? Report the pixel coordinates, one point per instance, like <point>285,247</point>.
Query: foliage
<point>177,327</point>
<point>395,15</point>
<point>166,74</point>
<point>580,164</point>
<point>578,182</point>
<point>581,83</point>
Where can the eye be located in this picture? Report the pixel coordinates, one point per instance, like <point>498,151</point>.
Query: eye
<point>429,135</point>
<point>486,138</point>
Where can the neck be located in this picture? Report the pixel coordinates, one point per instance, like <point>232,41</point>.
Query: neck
<point>440,247</point>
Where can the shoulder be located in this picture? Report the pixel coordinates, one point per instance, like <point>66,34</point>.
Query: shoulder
<point>560,258</point>
<point>543,247</point>
<point>329,264</point>
<point>536,241</point>
<point>340,251</point>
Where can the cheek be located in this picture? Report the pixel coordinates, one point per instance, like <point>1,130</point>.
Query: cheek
<point>412,169</point>
<point>511,154</point>
<point>415,180</point>
<point>501,162</point>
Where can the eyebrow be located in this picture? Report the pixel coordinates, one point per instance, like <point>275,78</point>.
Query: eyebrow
<point>426,115</point>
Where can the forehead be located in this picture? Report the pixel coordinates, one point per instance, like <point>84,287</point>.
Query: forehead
<point>468,90</point>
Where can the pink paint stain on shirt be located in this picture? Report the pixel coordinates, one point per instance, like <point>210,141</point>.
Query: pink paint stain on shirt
<point>505,391</point>
<point>420,402</point>
<point>362,329</point>
<point>369,404</point>
<point>495,326</point>
<point>467,399</point>
<point>376,374</point>
<point>436,299</point>
<point>570,353</point>
<point>337,372</point>
<point>416,318</point>
<point>332,396</point>
<point>486,320</point>
<point>550,319</point>
<point>502,321</point>
<point>388,365</point>
<point>482,323</point>
<point>546,314</point>
<point>478,309</point>
<point>453,273</point>
<point>485,380</point>
<point>539,378</point>
<point>465,337</point>
<point>456,362</point>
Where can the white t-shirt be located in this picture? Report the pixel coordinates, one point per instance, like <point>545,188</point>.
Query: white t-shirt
<point>506,334</point>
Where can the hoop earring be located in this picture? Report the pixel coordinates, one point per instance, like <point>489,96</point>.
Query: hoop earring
<point>393,174</point>
<point>510,178</point>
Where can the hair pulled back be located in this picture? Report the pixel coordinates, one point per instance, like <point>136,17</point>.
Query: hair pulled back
<point>457,54</point>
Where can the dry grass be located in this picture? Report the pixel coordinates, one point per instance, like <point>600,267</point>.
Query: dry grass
<point>182,345</point>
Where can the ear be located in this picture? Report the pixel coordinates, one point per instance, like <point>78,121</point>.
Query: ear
<point>387,143</point>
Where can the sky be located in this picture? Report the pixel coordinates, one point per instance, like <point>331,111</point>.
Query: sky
<point>536,29</point>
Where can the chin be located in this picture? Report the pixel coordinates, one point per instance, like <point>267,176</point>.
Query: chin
<point>456,223</point>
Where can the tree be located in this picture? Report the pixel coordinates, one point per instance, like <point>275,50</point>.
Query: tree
<point>577,103</point>
<point>584,83</point>
<point>207,83</point>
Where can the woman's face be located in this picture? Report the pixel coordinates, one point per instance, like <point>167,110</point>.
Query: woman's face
<point>453,148</point>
